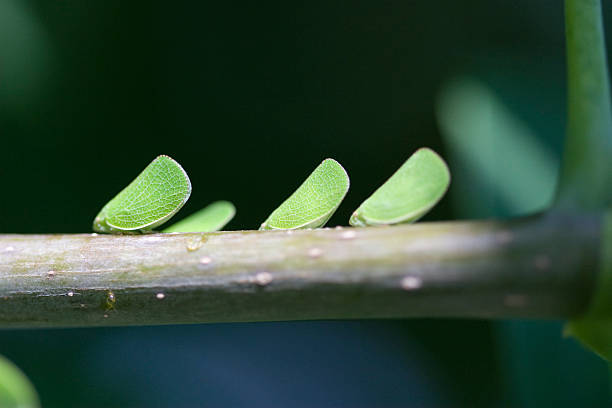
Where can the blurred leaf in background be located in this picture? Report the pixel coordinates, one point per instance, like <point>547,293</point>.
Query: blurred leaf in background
<point>26,58</point>
<point>503,168</point>
<point>16,391</point>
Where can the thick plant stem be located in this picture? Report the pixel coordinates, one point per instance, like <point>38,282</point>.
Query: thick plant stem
<point>540,267</point>
<point>586,174</point>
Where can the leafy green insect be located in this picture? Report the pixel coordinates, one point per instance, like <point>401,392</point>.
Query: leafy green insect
<point>409,194</point>
<point>211,218</point>
<point>151,199</point>
<point>314,202</point>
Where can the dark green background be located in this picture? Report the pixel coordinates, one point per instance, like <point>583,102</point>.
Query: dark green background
<point>249,98</point>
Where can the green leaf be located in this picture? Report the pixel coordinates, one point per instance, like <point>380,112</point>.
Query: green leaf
<point>314,202</point>
<point>210,218</point>
<point>594,329</point>
<point>409,194</point>
<point>476,126</point>
<point>150,200</point>
<point>586,172</point>
<point>16,391</point>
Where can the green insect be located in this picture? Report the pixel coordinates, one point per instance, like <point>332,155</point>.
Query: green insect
<point>151,199</point>
<point>409,194</point>
<point>314,202</point>
<point>210,218</point>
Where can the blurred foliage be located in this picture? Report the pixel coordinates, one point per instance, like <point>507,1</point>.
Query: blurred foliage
<point>498,158</point>
<point>502,167</point>
<point>15,389</point>
<point>91,91</point>
<point>27,57</point>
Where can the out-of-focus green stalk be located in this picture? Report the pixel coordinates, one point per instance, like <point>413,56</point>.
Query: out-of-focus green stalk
<point>586,173</point>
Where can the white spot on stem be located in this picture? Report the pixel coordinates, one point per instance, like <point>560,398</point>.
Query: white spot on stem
<point>348,234</point>
<point>205,260</point>
<point>160,296</point>
<point>263,278</point>
<point>411,283</point>
<point>315,252</point>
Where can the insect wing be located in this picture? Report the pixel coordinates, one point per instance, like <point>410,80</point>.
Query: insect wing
<point>158,192</point>
<point>409,194</point>
<point>314,202</point>
<point>211,218</point>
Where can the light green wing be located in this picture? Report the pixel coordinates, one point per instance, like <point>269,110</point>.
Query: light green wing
<point>151,199</point>
<point>409,194</point>
<point>210,218</point>
<point>314,202</point>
